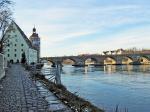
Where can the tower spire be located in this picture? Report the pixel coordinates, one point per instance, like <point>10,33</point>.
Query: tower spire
<point>34,29</point>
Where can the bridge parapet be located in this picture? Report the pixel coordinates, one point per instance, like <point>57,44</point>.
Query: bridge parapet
<point>99,59</point>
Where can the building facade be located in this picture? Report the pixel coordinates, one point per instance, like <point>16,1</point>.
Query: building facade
<point>2,66</point>
<point>18,44</point>
<point>35,40</point>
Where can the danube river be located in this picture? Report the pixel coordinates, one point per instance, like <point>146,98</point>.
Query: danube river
<point>109,86</point>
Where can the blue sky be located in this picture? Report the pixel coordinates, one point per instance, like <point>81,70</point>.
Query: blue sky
<point>72,27</point>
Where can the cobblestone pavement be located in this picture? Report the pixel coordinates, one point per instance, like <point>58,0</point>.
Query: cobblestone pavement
<point>19,94</point>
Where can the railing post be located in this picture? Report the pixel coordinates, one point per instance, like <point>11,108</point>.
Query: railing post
<point>58,73</point>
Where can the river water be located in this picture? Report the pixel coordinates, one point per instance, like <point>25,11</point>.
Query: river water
<point>109,86</point>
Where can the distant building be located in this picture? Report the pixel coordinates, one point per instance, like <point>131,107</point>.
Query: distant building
<point>113,52</point>
<point>35,40</point>
<point>120,51</point>
<point>18,45</point>
<point>106,52</point>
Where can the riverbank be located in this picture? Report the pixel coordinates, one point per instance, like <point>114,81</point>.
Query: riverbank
<point>73,101</point>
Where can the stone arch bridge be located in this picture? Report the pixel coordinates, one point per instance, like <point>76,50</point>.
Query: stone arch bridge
<point>102,59</point>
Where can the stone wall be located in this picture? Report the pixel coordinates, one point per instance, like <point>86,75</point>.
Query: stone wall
<point>2,68</point>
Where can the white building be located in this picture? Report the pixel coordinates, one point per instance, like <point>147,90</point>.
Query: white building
<point>17,43</point>
<point>2,67</point>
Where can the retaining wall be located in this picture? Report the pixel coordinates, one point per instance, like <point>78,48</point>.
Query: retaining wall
<point>2,66</point>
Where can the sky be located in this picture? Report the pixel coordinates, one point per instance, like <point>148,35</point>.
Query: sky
<point>72,27</point>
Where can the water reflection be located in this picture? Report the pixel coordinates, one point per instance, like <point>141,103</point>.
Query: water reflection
<point>108,86</point>
<point>109,69</point>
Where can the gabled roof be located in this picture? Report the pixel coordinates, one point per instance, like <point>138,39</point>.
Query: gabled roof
<point>23,35</point>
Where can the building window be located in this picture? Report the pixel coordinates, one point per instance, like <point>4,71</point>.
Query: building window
<point>15,35</point>
<point>8,50</point>
<point>15,44</point>
<point>7,55</point>
<point>15,55</point>
<point>15,49</point>
<point>8,45</point>
<point>21,44</point>
<point>16,40</point>
<point>21,49</point>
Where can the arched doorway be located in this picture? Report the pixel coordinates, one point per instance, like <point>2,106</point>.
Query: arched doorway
<point>90,61</point>
<point>109,61</point>
<point>126,60</point>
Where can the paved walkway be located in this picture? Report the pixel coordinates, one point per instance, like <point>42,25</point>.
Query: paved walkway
<point>19,94</point>
<point>54,104</point>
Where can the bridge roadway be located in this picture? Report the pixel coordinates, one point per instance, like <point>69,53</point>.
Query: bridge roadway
<point>102,59</point>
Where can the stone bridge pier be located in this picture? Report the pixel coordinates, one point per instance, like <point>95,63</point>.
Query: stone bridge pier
<point>118,60</point>
<point>99,61</point>
<point>78,62</point>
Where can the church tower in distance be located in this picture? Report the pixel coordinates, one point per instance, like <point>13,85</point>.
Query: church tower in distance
<point>35,40</point>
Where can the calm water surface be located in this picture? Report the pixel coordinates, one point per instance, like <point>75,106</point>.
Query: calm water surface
<point>106,87</point>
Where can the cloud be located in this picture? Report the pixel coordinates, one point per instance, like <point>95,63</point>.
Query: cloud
<point>132,38</point>
<point>84,26</point>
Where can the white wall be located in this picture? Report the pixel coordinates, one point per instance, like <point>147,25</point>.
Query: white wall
<point>18,45</point>
<point>16,42</point>
<point>32,56</point>
<point>2,69</point>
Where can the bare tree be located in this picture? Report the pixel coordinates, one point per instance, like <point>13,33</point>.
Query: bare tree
<point>5,19</point>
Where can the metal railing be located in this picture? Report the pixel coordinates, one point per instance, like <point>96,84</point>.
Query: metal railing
<point>2,66</point>
<point>53,74</point>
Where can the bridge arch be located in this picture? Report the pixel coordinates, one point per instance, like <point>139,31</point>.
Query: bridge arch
<point>51,62</point>
<point>110,61</point>
<point>43,61</point>
<point>90,61</point>
<point>68,61</point>
<point>144,60</point>
<point>127,60</point>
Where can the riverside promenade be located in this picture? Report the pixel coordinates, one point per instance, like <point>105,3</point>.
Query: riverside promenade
<point>18,93</point>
